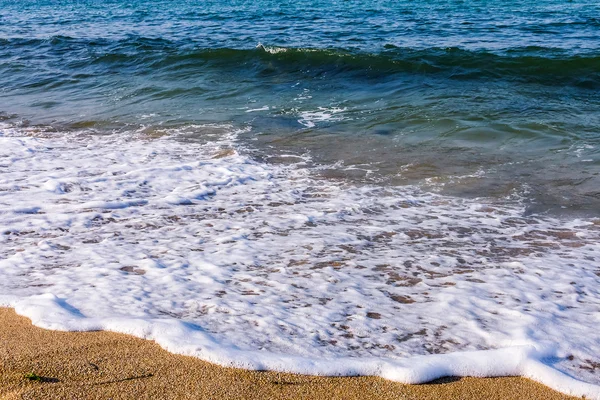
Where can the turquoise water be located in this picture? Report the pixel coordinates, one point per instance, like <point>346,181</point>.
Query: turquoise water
<point>469,98</point>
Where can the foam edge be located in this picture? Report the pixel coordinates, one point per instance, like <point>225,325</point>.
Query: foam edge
<point>50,312</point>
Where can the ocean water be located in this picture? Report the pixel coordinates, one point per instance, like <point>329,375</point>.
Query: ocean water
<point>329,187</point>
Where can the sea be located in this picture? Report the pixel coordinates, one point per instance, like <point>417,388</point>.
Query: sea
<point>360,187</point>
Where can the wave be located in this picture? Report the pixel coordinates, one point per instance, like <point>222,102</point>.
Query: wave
<point>215,255</point>
<point>539,65</point>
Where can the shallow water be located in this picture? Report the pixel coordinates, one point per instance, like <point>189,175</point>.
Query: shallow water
<point>506,91</point>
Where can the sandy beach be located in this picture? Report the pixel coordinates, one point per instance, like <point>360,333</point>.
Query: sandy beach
<point>103,365</point>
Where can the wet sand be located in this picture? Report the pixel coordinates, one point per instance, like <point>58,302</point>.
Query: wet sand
<point>103,365</point>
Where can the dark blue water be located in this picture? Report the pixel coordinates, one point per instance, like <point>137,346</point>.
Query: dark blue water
<point>469,98</point>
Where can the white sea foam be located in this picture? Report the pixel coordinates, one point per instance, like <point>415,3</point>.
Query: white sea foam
<point>263,108</point>
<point>271,49</point>
<point>311,118</point>
<point>267,267</point>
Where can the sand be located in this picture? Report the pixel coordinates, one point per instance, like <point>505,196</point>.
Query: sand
<point>106,365</point>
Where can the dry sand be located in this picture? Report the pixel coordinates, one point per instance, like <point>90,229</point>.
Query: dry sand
<point>106,365</point>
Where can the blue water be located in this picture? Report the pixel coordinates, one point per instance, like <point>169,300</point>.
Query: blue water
<point>468,98</point>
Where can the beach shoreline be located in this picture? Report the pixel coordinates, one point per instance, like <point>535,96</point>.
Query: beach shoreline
<point>118,366</point>
<point>369,196</point>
